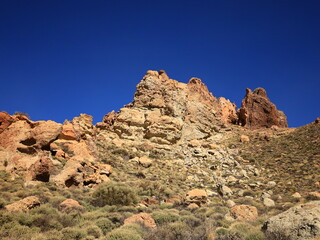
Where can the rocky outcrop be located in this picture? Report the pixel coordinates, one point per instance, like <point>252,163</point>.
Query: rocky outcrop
<point>298,223</point>
<point>46,151</point>
<point>144,219</point>
<point>69,205</point>
<point>244,212</point>
<point>165,111</point>
<point>258,112</point>
<point>196,196</point>
<point>23,205</point>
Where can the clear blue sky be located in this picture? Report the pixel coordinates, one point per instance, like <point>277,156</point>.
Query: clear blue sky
<point>60,58</point>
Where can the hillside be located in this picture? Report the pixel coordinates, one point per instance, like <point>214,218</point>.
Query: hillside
<point>176,163</point>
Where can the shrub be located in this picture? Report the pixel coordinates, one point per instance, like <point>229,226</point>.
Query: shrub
<point>94,231</point>
<point>112,193</point>
<point>22,113</point>
<point>73,233</point>
<point>105,224</point>
<point>162,217</point>
<point>123,234</point>
<point>172,231</point>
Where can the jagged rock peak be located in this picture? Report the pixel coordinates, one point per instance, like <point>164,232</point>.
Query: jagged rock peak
<point>257,111</point>
<point>165,111</point>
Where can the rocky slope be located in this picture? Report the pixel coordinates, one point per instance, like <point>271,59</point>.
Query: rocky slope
<point>179,147</point>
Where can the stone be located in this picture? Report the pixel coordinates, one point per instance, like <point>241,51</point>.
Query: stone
<point>230,203</point>
<point>271,183</point>
<point>244,212</point>
<point>244,138</point>
<point>70,205</point>
<point>317,120</point>
<point>144,219</point>
<point>23,205</point>
<point>296,195</point>
<point>224,190</point>
<point>268,202</point>
<point>145,161</point>
<point>193,206</point>
<point>300,222</point>
<point>197,196</point>
<point>257,111</point>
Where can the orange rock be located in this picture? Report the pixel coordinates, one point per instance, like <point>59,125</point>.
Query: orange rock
<point>70,205</point>
<point>193,206</point>
<point>68,132</point>
<point>23,205</point>
<point>197,196</point>
<point>5,120</point>
<point>314,195</point>
<point>141,218</point>
<point>244,212</point>
<point>244,138</point>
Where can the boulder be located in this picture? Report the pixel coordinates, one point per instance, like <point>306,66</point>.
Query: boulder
<point>145,161</point>
<point>142,218</point>
<point>244,138</point>
<point>268,202</point>
<point>70,205</point>
<point>225,191</point>
<point>244,212</point>
<point>300,222</point>
<point>23,205</point>
<point>257,111</point>
<point>197,196</point>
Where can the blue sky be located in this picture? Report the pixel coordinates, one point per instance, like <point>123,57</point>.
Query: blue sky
<point>62,58</point>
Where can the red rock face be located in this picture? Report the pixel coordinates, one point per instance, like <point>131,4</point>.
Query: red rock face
<point>258,112</point>
<point>5,120</point>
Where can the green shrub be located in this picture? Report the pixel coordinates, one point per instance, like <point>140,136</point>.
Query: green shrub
<point>162,217</point>
<point>105,224</point>
<point>123,234</point>
<point>112,193</point>
<point>94,231</point>
<point>73,233</point>
<point>172,231</point>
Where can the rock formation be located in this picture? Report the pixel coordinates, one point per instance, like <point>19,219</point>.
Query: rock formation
<point>298,223</point>
<point>165,111</point>
<point>48,151</point>
<point>258,112</point>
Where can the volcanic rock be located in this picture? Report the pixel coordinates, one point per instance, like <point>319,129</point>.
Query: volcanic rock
<point>244,212</point>
<point>23,205</point>
<point>144,219</point>
<point>258,112</point>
